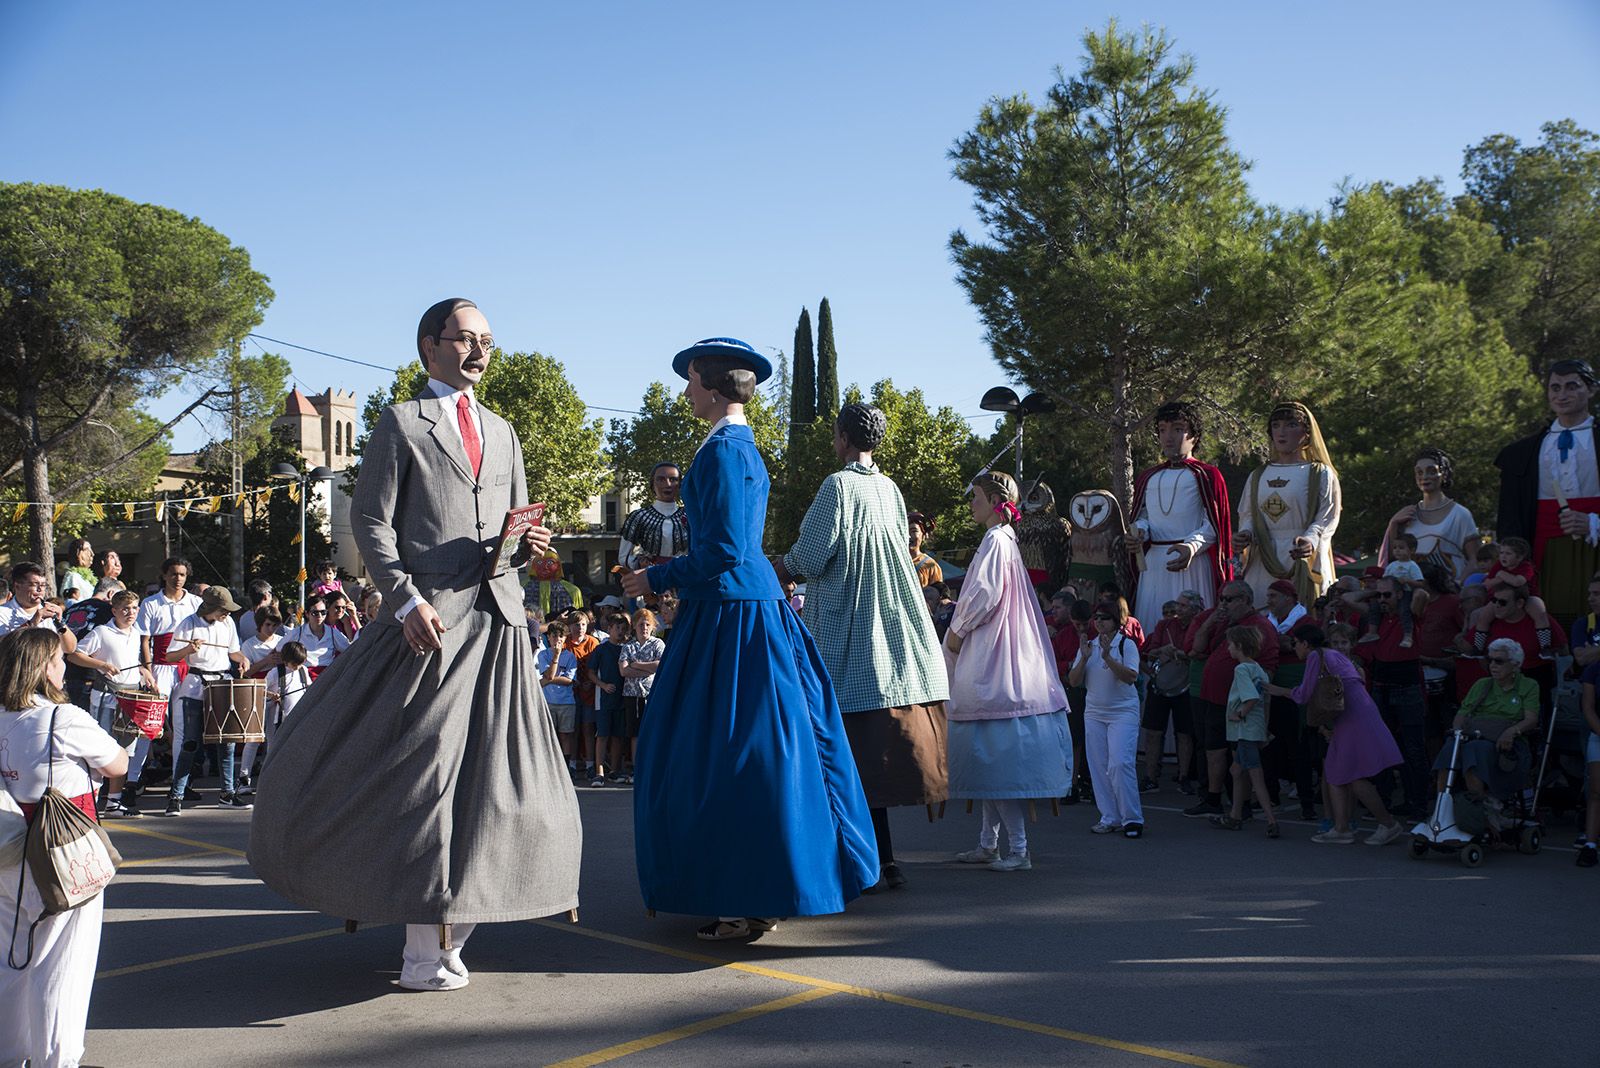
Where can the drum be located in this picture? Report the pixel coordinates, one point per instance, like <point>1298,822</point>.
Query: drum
<point>236,711</point>
<point>143,712</point>
<point>1172,678</point>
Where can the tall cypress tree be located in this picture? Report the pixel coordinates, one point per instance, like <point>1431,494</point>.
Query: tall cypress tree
<point>827,364</point>
<point>803,387</point>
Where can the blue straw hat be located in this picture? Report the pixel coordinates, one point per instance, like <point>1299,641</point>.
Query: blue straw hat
<point>740,351</point>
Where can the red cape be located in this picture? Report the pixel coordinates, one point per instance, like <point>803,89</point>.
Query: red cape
<point>1214,495</point>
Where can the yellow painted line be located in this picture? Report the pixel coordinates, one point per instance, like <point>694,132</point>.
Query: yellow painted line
<point>123,828</point>
<point>212,954</point>
<point>170,858</point>
<point>699,1027</point>
<point>829,986</point>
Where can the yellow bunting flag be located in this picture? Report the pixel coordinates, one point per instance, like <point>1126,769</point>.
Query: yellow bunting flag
<point>266,497</point>
<point>294,491</point>
<point>216,505</point>
<point>97,510</point>
<point>127,511</point>
<point>183,510</point>
<point>161,511</point>
<point>19,511</point>
<point>301,577</point>
<point>295,540</point>
<point>60,511</point>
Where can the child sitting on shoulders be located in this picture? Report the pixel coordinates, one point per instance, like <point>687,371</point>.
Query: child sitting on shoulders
<point>1407,576</point>
<point>1247,728</point>
<point>1514,570</point>
<point>1482,561</point>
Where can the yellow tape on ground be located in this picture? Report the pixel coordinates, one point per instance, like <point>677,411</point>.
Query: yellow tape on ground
<point>699,1027</point>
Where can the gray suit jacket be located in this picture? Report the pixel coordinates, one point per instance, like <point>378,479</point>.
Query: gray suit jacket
<point>423,524</point>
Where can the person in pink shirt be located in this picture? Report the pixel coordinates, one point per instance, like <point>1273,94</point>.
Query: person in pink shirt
<point>1008,736</point>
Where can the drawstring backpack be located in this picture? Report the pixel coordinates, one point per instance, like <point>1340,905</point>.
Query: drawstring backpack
<point>71,856</point>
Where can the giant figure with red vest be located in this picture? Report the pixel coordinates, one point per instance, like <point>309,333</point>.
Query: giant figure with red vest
<point>1550,490</point>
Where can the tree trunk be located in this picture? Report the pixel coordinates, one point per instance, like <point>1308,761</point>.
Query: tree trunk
<point>36,486</point>
<point>1120,445</point>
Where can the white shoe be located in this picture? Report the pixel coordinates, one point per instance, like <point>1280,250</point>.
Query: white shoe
<point>978,856</point>
<point>1105,828</point>
<point>446,973</point>
<point>1015,862</point>
<point>1384,835</point>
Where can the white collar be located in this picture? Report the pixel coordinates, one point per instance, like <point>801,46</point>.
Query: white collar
<point>731,419</point>
<point>666,509</point>
<point>1587,424</point>
<point>448,394</point>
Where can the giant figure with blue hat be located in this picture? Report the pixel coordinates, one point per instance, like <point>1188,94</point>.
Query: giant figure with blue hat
<point>747,804</point>
<point>1550,490</point>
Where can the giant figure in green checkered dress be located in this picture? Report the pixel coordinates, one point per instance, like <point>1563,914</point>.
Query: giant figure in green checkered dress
<point>866,612</point>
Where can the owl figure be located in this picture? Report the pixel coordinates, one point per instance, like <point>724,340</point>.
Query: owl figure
<point>1044,538</point>
<point>1100,546</point>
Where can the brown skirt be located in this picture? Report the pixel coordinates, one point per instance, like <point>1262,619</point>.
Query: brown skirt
<point>900,754</point>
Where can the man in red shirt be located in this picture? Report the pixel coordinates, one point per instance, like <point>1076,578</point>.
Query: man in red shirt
<point>1235,607</point>
<point>1394,674</point>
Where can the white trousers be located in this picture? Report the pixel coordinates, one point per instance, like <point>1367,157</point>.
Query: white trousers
<point>1111,745</point>
<point>44,1008</point>
<point>1011,813</point>
<point>105,710</point>
<point>166,676</point>
<point>422,943</point>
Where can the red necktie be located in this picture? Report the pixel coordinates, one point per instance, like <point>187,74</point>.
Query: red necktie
<point>469,433</point>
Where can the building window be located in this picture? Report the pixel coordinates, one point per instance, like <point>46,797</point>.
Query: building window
<point>580,566</point>
<point>338,441</point>
<point>611,514</point>
<point>350,439</point>
<point>611,560</point>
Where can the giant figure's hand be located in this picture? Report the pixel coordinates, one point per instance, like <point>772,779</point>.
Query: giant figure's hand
<point>422,629</point>
<point>1574,524</point>
<point>1180,557</point>
<point>635,583</point>
<point>537,540</point>
<point>1304,548</point>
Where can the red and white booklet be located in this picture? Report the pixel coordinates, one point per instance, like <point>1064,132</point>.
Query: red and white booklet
<point>518,522</point>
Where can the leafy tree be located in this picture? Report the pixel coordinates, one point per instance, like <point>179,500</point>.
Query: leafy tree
<point>1544,203</point>
<point>103,302</point>
<point>1125,263</point>
<point>665,428</point>
<point>803,390</point>
<point>931,454</point>
<point>562,449</point>
<point>827,364</point>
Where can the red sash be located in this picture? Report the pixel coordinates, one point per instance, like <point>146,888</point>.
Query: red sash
<point>313,672</point>
<point>83,803</point>
<point>159,644</point>
<point>1547,521</point>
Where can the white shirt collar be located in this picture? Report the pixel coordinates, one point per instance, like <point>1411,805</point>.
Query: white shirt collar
<point>448,394</point>
<point>731,419</point>
<point>1556,427</point>
<point>666,509</point>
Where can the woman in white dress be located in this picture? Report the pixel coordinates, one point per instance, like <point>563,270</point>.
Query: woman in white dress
<point>1446,533</point>
<point>1290,508</point>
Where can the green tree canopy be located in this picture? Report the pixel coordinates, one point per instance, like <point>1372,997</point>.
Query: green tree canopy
<point>665,429</point>
<point>561,447</point>
<point>803,388</point>
<point>827,364</point>
<point>104,302</point>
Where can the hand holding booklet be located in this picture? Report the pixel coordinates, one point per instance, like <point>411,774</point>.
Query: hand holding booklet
<point>517,523</point>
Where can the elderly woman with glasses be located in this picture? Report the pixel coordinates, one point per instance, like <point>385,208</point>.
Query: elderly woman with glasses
<point>1498,711</point>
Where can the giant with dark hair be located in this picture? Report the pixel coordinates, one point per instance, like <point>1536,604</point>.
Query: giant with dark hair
<point>1580,368</point>
<point>1172,411</point>
<point>863,426</point>
<point>1447,466</point>
<point>727,376</point>
<point>433,320</point>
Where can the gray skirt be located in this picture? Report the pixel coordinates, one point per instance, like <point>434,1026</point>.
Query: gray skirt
<point>421,789</point>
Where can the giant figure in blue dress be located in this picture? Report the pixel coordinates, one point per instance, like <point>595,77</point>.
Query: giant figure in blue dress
<point>747,804</point>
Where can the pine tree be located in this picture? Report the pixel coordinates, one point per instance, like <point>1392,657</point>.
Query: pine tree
<point>827,364</point>
<point>803,388</point>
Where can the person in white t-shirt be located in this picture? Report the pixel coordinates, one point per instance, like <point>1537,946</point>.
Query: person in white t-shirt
<point>27,606</point>
<point>262,650</point>
<point>159,615</point>
<point>44,1007</point>
<point>208,642</point>
<point>286,686</point>
<point>322,642</point>
<point>1108,667</point>
<point>113,650</point>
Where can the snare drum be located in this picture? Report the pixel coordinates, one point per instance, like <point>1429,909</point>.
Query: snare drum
<point>236,711</point>
<point>1172,678</point>
<point>143,712</point>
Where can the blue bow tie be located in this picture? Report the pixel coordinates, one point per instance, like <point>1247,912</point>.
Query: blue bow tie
<point>1564,443</point>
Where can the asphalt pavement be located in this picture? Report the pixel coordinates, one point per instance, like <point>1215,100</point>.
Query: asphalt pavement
<point>1191,946</point>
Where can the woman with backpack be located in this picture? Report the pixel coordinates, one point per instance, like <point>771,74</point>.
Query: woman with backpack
<point>1359,744</point>
<point>1108,668</point>
<point>44,1002</point>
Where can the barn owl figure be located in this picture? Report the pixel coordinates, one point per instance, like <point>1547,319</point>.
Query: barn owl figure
<point>1044,537</point>
<point>1100,538</point>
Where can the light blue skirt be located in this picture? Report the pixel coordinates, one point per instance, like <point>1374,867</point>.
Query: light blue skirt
<point>1000,759</point>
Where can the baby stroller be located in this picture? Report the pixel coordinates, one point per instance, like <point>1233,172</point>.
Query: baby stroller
<point>1466,826</point>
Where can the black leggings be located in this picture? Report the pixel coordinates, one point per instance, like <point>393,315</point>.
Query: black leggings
<point>880,828</point>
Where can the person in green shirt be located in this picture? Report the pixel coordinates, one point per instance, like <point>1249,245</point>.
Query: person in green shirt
<point>1500,709</point>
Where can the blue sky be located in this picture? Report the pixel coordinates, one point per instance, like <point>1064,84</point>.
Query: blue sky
<point>613,181</point>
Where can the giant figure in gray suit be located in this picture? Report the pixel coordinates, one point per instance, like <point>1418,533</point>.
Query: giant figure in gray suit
<point>419,781</point>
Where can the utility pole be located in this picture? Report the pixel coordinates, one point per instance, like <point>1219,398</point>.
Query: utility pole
<point>236,517</point>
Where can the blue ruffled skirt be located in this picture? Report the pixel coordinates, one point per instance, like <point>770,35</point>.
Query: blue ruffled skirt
<point>746,797</point>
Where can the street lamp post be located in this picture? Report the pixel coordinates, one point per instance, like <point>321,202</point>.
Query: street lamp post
<point>290,473</point>
<point>1005,399</point>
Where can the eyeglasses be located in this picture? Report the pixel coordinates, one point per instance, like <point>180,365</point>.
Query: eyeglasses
<point>1504,602</point>
<point>473,341</point>
<point>1499,660</point>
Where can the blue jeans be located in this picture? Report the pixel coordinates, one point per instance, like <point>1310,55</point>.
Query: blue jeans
<point>193,711</point>
<point>1403,708</point>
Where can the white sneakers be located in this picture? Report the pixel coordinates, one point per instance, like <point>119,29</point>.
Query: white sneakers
<point>1384,835</point>
<point>1015,862</point>
<point>977,856</point>
<point>446,973</point>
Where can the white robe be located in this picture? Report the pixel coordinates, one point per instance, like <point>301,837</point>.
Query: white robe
<point>1173,511</point>
<point>1285,516</point>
